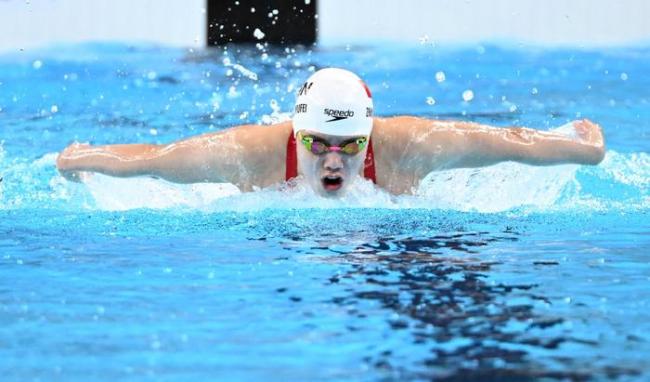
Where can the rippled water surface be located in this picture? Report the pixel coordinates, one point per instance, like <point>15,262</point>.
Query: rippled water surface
<point>509,272</point>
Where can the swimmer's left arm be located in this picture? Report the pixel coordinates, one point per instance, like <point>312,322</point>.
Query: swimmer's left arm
<point>484,145</point>
<point>438,145</point>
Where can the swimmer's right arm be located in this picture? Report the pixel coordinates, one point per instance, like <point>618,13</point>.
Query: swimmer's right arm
<point>243,155</point>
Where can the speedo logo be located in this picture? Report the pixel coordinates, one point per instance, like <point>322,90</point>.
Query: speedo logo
<point>338,115</point>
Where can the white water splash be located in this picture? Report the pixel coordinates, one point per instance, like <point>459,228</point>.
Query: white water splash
<point>241,69</point>
<point>620,182</point>
<point>493,189</point>
<point>497,188</point>
<point>119,194</point>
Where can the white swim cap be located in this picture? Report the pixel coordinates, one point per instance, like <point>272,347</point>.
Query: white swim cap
<point>334,102</point>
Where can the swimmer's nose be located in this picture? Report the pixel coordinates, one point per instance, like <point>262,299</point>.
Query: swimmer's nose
<point>333,162</point>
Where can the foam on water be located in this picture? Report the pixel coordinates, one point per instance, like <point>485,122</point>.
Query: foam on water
<point>620,182</point>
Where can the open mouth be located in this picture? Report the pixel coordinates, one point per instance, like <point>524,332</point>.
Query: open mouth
<point>332,182</point>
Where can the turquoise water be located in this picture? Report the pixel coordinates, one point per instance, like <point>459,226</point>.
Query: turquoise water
<point>510,272</point>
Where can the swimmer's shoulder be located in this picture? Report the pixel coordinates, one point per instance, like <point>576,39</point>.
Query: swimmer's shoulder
<point>407,123</point>
<point>266,144</point>
<point>271,136</point>
<point>399,128</point>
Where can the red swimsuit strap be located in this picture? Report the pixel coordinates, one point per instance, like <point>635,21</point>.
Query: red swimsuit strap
<point>292,159</point>
<point>291,170</point>
<point>369,164</point>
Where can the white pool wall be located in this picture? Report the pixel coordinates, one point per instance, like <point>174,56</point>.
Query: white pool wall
<point>539,22</point>
<point>34,23</point>
<point>26,24</point>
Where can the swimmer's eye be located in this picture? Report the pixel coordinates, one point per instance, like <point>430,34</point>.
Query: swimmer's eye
<point>307,141</point>
<point>319,148</point>
<point>352,148</point>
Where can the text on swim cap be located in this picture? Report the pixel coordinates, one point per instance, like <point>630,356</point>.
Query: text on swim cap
<point>303,89</point>
<point>301,108</point>
<point>338,115</point>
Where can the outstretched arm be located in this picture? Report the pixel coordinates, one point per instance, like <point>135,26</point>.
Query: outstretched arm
<point>421,146</point>
<point>245,156</point>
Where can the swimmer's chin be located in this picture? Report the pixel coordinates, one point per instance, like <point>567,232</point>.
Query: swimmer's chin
<point>331,194</point>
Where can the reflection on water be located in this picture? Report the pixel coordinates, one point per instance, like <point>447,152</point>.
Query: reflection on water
<point>439,290</point>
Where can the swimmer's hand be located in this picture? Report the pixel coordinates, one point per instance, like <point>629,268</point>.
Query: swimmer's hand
<point>66,159</point>
<point>589,133</point>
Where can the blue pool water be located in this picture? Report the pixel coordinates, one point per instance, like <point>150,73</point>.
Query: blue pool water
<point>509,272</point>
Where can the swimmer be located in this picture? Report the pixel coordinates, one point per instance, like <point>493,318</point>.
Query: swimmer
<point>332,141</point>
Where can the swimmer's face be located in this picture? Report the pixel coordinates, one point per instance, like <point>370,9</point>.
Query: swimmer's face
<point>331,172</point>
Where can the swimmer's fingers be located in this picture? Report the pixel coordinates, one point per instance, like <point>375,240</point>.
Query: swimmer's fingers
<point>65,162</point>
<point>591,141</point>
<point>589,132</point>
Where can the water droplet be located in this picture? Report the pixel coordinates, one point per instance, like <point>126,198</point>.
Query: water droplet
<point>258,34</point>
<point>440,76</point>
<point>468,95</point>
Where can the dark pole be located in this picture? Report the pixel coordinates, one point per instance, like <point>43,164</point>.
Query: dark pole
<point>280,22</point>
